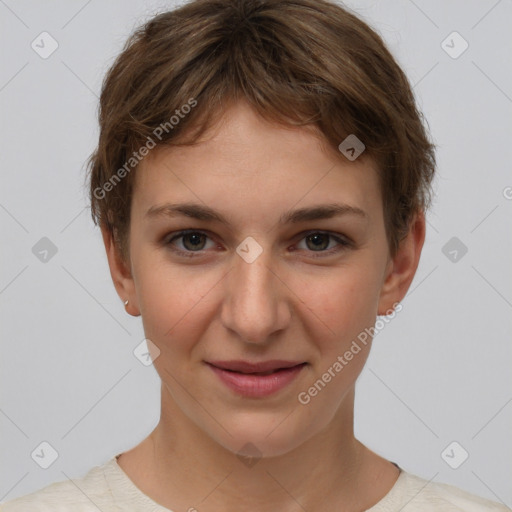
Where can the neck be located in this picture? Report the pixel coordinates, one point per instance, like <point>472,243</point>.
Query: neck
<point>181,467</point>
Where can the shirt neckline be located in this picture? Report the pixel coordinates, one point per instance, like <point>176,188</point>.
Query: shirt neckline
<point>125,492</point>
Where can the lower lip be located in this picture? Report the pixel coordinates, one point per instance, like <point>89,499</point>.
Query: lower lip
<point>251,385</point>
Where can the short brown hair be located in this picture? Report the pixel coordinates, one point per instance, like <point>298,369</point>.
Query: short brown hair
<point>297,62</point>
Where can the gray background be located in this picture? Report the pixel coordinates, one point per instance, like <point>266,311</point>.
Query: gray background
<point>438,373</point>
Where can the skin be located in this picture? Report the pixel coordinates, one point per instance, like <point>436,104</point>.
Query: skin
<point>286,304</point>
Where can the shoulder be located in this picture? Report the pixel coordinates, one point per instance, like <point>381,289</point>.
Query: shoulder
<point>86,494</point>
<point>424,495</point>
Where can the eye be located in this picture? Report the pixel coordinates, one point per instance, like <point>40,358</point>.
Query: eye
<point>319,241</point>
<point>192,241</point>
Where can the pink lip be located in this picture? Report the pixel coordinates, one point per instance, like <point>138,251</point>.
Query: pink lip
<point>246,378</point>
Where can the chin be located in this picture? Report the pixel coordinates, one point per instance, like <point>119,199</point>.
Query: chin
<point>269,435</point>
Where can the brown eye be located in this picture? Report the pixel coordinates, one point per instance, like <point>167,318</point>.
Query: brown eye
<point>193,241</point>
<point>317,241</point>
<point>325,244</point>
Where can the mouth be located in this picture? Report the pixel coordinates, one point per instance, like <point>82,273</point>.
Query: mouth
<point>256,379</point>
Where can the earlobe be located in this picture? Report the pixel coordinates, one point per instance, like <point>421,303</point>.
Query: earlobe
<point>402,267</point>
<point>120,273</point>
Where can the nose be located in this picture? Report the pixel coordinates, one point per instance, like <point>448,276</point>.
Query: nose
<point>256,304</point>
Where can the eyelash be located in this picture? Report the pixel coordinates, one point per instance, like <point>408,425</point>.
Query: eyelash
<point>343,243</point>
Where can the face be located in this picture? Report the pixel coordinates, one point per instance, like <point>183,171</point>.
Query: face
<point>263,280</point>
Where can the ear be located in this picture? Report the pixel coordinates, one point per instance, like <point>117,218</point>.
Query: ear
<point>402,267</point>
<point>121,274</point>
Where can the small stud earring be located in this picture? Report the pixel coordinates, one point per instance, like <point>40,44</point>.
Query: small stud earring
<point>126,303</point>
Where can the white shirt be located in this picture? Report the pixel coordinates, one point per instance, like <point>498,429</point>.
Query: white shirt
<point>109,489</point>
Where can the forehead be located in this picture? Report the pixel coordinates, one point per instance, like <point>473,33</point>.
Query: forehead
<point>247,166</point>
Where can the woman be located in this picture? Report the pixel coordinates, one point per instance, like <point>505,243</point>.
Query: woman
<point>261,181</point>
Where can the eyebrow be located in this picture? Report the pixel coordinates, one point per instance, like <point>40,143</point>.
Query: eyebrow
<point>205,213</point>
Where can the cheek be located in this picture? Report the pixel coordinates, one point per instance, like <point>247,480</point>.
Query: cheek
<point>345,301</point>
<point>175,304</point>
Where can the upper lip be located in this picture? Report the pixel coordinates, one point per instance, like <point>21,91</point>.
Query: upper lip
<point>249,367</point>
